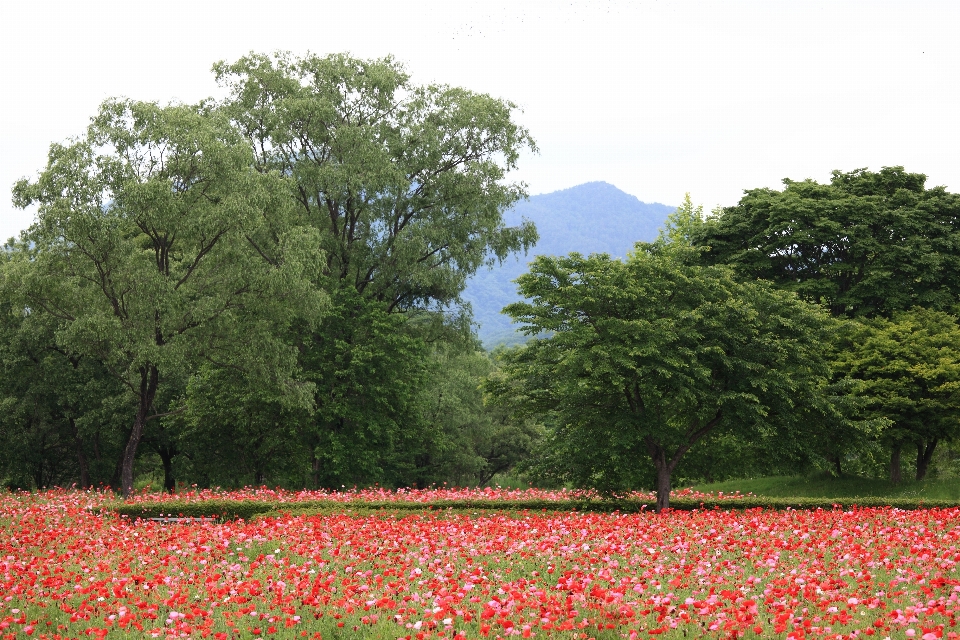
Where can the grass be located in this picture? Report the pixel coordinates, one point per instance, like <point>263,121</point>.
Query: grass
<point>827,486</point>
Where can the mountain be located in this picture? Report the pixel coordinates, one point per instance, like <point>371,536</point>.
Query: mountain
<point>595,217</point>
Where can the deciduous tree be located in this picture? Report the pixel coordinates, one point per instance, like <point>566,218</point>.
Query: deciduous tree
<point>909,370</point>
<point>866,244</point>
<point>157,247</point>
<point>405,182</point>
<point>406,187</point>
<point>645,357</point>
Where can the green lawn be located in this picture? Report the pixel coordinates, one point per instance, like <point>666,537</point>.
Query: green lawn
<point>826,486</point>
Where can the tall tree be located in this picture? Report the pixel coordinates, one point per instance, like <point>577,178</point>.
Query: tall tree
<point>405,182</point>
<point>867,244</point>
<point>406,187</point>
<point>909,369</point>
<point>158,247</point>
<point>58,422</point>
<point>647,357</point>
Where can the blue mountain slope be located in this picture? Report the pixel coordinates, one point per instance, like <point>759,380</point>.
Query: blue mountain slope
<point>595,217</point>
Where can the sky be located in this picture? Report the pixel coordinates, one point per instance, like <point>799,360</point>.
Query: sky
<point>657,98</point>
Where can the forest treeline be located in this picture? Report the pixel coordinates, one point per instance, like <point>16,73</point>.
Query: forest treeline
<point>264,288</point>
<point>809,328</point>
<point>267,289</point>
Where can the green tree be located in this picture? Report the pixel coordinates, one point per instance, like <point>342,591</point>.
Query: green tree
<point>405,182</point>
<point>405,186</point>
<point>647,357</point>
<point>59,417</point>
<point>867,244</point>
<point>909,370</point>
<point>157,248</point>
<point>479,439</point>
<point>681,227</point>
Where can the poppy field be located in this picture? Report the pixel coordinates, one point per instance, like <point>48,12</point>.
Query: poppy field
<point>70,570</point>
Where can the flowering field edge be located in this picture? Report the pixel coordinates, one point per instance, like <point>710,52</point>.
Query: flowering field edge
<point>248,509</point>
<point>408,570</point>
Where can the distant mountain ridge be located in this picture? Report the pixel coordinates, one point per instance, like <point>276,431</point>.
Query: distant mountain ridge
<point>595,217</point>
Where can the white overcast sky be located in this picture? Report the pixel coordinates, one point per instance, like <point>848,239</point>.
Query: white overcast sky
<point>657,98</point>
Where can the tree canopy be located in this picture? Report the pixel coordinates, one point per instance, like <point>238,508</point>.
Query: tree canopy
<point>148,253</point>
<point>268,288</point>
<point>270,277</point>
<point>908,367</point>
<point>404,181</point>
<point>867,244</point>
<point>645,357</point>
<point>405,187</point>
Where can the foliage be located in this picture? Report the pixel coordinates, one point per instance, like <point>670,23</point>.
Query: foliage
<point>223,509</point>
<point>250,509</point>
<point>479,440</point>
<point>405,188</point>
<point>61,415</point>
<point>404,182</point>
<point>143,253</point>
<point>908,369</point>
<point>646,357</point>
<point>681,227</point>
<point>368,367</point>
<point>265,286</point>
<point>235,433</point>
<point>595,217</point>
<point>721,455</point>
<point>867,244</point>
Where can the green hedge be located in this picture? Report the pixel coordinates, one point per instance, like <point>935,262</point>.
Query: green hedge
<point>758,502</point>
<point>247,509</point>
<point>223,509</point>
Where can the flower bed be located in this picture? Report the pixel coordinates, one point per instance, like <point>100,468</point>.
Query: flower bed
<point>69,571</point>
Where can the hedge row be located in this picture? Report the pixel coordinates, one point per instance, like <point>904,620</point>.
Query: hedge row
<point>224,509</point>
<point>247,509</point>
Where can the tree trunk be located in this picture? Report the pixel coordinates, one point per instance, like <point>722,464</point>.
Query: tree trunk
<point>895,475</point>
<point>118,468</point>
<point>664,469</point>
<point>837,469</point>
<point>663,487</point>
<point>924,455</point>
<point>38,467</point>
<point>81,456</point>
<point>149,380</point>
<point>117,473</point>
<point>166,456</point>
<point>130,453</point>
